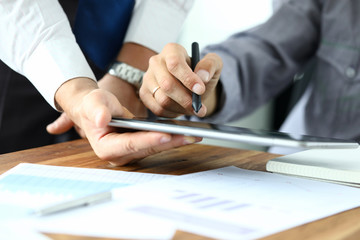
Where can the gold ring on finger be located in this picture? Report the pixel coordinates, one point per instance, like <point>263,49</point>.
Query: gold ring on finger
<point>154,91</point>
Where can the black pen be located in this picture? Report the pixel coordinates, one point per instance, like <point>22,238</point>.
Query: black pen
<point>195,57</point>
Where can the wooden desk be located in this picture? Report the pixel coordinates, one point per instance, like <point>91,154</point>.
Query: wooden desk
<point>187,159</point>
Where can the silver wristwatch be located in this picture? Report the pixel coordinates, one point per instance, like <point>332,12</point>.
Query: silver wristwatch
<point>126,72</point>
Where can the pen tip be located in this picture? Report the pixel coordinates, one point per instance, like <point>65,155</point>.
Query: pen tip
<point>196,102</point>
<point>196,107</point>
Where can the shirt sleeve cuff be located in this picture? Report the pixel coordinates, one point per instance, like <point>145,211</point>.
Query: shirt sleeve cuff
<point>156,23</point>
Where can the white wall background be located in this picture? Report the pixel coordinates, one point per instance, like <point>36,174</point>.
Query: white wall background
<point>211,21</point>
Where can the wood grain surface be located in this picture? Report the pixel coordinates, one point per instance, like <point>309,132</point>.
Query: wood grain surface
<point>187,159</point>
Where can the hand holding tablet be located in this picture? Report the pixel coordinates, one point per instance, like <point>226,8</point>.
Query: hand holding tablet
<point>230,133</point>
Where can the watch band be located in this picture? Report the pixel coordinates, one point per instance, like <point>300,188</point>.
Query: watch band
<point>126,72</point>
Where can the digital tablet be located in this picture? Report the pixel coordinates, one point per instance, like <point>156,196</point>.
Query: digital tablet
<point>230,133</point>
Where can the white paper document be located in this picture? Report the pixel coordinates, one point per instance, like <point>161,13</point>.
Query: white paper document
<point>19,231</point>
<point>227,203</point>
<point>28,187</point>
<point>33,185</point>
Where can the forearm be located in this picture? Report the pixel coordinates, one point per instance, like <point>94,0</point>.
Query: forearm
<point>135,55</point>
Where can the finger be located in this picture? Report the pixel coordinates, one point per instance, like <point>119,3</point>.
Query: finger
<point>209,68</point>
<point>168,104</point>
<point>61,125</point>
<point>159,110</point>
<point>100,106</point>
<point>176,141</point>
<point>169,84</point>
<point>114,145</point>
<point>162,105</point>
<point>172,94</point>
<point>80,131</point>
<point>177,62</point>
<point>166,107</point>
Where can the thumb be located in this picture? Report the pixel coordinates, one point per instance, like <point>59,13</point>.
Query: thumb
<point>60,125</point>
<point>103,116</point>
<point>101,106</point>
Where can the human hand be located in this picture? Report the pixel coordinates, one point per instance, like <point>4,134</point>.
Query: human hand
<point>169,82</point>
<point>63,124</point>
<point>91,109</point>
<point>125,93</point>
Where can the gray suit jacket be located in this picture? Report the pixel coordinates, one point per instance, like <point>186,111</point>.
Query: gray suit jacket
<point>261,62</point>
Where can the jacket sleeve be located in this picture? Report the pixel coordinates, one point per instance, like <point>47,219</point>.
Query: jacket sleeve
<point>261,62</point>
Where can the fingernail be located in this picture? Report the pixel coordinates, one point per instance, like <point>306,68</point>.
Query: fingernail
<point>189,140</point>
<point>165,139</point>
<point>198,89</point>
<point>204,75</point>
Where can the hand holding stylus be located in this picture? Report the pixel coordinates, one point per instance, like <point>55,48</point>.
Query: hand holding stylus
<point>169,83</point>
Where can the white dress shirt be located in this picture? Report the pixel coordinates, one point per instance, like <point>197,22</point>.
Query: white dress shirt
<point>155,23</point>
<point>37,40</point>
